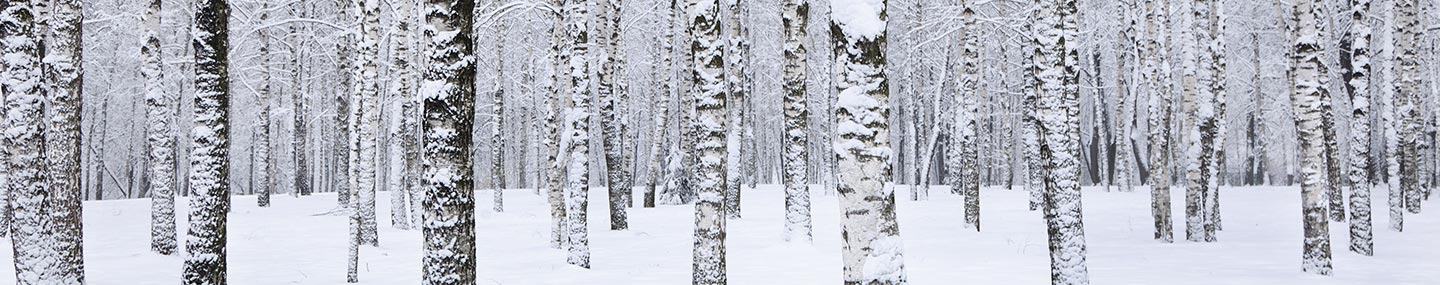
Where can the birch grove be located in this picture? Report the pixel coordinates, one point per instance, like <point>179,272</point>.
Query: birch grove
<point>766,136</point>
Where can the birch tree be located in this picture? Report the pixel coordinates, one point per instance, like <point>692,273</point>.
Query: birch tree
<point>554,111</point>
<point>610,98</point>
<point>1030,138</point>
<point>25,140</point>
<point>1130,45</point>
<point>660,144</point>
<point>448,90</point>
<point>7,217</point>
<point>497,108</point>
<point>401,88</point>
<point>1059,129</point>
<point>1199,135</point>
<point>1216,52</point>
<point>299,142</point>
<point>577,118</point>
<point>160,114</point>
<point>369,119</point>
<point>734,36</point>
<point>871,248</point>
<point>966,125</point>
<point>262,138</point>
<point>794,18</point>
<point>344,151</point>
<point>1327,126</point>
<point>63,74</point>
<point>710,145</point>
<point>1357,76</point>
<point>1305,98</point>
<point>1158,84</point>
<point>1407,99</point>
<point>205,254</point>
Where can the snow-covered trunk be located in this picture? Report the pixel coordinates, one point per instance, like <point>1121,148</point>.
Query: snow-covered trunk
<point>1198,103</point>
<point>911,86</point>
<point>610,97</point>
<point>369,120</point>
<point>871,247</point>
<point>497,109</point>
<point>98,150</point>
<point>577,118</point>
<point>1407,101</point>
<point>1128,43</point>
<point>344,46</point>
<point>1255,160</point>
<point>402,89</point>
<point>63,75</point>
<point>750,145</point>
<point>1059,130</point>
<point>710,143</point>
<point>205,252</point>
<point>448,90</point>
<point>794,157</point>
<point>25,141</point>
<point>1332,142</point>
<point>1305,99</point>
<point>1395,198</point>
<point>352,272</point>
<point>555,171</point>
<point>1161,110</point>
<point>967,125</point>
<point>1215,22</point>
<point>1030,136</point>
<point>7,217</point>
<point>160,135</point>
<point>682,190</point>
<point>734,35</point>
<point>266,175</point>
<point>299,140</point>
<point>1357,75</point>
<point>660,142</point>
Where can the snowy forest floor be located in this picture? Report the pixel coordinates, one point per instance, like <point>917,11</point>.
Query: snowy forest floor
<point>295,243</point>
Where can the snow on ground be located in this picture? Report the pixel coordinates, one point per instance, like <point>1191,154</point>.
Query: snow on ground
<point>296,242</point>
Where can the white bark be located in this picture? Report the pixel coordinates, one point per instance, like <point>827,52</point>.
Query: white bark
<point>872,249</point>
<point>1305,98</point>
<point>797,132</point>
<point>710,145</point>
<point>1358,85</point>
<point>1059,109</point>
<point>577,118</point>
<point>160,116</point>
<point>25,140</point>
<point>449,94</point>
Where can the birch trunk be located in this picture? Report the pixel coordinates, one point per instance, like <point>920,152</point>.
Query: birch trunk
<point>1306,100</point>
<point>1357,76</point>
<point>710,142</point>
<point>369,120</point>
<point>794,19</point>
<point>1059,131</point>
<point>205,254</point>
<point>577,117</point>
<point>63,73</point>
<point>554,110</point>
<point>449,95</point>
<point>610,97</point>
<point>871,247</point>
<point>160,116</point>
<point>25,141</point>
